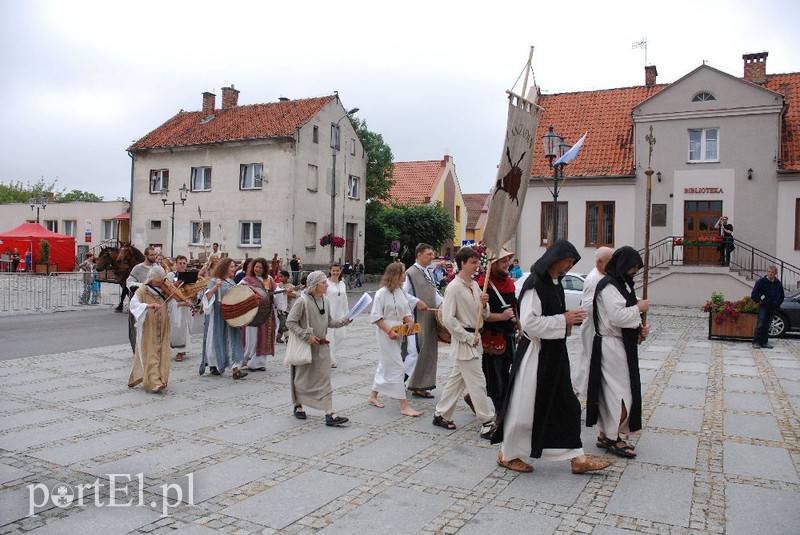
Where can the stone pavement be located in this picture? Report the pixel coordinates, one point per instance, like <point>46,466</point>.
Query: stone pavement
<point>719,452</point>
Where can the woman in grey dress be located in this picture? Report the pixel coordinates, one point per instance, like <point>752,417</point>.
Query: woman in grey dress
<point>311,383</point>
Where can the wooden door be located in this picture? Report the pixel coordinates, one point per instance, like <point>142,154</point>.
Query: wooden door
<point>699,218</point>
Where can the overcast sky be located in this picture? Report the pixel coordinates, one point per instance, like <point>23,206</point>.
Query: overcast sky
<point>81,80</point>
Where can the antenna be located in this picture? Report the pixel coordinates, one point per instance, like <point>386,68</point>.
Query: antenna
<point>641,44</point>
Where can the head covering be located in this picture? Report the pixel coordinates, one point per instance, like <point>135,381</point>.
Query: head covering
<point>156,273</point>
<point>502,254</point>
<point>560,250</point>
<point>314,278</point>
<point>622,261</point>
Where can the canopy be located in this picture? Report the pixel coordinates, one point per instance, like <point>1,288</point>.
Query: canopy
<point>27,236</point>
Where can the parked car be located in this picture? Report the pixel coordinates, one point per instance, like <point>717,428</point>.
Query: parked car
<point>573,288</point>
<point>788,316</point>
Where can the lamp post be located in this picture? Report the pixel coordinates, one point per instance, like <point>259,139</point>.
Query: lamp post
<point>554,147</point>
<point>334,151</point>
<point>41,202</point>
<point>184,192</point>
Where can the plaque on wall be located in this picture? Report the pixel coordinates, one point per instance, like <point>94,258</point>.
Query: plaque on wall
<point>658,215</point>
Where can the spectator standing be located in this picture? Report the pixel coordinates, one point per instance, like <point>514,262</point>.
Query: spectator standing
<point>15,260</point>
<point>726,247</point>
<point>358,272</point>
<point>87,267</point>
<point>294,266</point>
<point>768,293</point>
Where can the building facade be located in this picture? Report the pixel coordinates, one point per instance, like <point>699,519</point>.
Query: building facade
<point>724,146</point>
<point>259,180</point>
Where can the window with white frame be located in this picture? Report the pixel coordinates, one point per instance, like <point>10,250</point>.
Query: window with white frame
<point>68,227</point>
<point>51,225</point>
<point>251,175</point>
<point>315,134</point>
<point>352,147</point>
<point>201,233</point>
<point>155,224</point>
<point>311,234</point>
<point>600,223</point>
<point>334,136</point>
<point>352,187</point>
<point>109,229</point>
<point>250,233</point>
<point>703,96</point>
<point>201,179</point>
<point>312,181</point>
<point>159,179</point>
<point>704,145</point>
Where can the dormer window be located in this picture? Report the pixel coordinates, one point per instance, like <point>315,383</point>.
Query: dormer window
<point>703,96</point>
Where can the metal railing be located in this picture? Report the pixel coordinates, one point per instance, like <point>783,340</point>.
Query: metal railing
<point>747,260</point>
<point>21,292</point>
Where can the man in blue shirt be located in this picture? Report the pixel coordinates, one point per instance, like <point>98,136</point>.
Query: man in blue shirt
<point>768,293</point>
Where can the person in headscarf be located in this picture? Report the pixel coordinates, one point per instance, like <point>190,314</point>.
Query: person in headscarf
<point>614,399</point>
<point>542,418</point>
<point>310,319</point>
<point>152,330</point>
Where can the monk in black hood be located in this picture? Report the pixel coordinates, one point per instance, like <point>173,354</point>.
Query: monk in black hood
<point>542,416</point>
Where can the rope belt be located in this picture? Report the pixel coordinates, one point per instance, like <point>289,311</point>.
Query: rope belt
<point>239,309</point>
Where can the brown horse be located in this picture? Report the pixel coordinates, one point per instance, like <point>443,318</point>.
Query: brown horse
<point>121,260</point>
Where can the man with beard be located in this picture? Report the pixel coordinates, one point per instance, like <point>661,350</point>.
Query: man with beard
<point>614,400</point>
<point>138,276</point>
<point>499,329</point>
<point>542,418</point>
<point>580,364</point>
<point>421,351</point>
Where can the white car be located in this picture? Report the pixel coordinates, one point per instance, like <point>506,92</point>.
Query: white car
<point>573,288</point>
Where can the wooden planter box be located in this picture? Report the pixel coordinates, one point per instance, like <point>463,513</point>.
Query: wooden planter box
<point>741,329</point>
<point>46,268</point>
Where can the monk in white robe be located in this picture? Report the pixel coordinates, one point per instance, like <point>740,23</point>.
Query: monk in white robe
<point>579,362</point>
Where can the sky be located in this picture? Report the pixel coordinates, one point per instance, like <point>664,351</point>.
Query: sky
<point>81,80</point>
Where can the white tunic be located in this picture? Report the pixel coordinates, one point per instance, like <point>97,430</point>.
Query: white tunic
<point>179,317</point>
<point>337,295</point>
<point>579,362</point>
<point>613,316</point>
<point>391,307</point>
<point>518,426</point>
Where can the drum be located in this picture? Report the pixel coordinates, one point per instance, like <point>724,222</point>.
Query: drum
<point>245,306</point>
<point>441,331</point>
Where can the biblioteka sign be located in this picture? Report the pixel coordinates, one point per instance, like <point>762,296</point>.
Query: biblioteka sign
<point>702,190</point>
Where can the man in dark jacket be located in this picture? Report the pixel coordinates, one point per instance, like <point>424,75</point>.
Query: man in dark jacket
<point>768,293</point>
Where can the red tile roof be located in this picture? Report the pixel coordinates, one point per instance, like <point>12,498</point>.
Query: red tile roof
<point>254,121</point>
<point>788,85</point>
<point>474,203</point>
<point>415,182</point>
<point>606,115</point>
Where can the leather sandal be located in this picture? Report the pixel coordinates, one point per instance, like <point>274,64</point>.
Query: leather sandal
<point>214,371</point>
<point>299,413</point>
<point>517,465</point>
<point>605,442</point>
<point>179,357</point>
<point>439,421</point>
<point>239,374</point>
<point>620,448</point>
<point>589,464</point>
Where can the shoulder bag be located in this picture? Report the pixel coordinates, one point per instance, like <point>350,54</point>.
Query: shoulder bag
<point>298,351</point>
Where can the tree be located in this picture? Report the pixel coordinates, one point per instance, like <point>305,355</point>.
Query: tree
<point>380,161</point>
<point>423,223</point>
<point>78,195</point>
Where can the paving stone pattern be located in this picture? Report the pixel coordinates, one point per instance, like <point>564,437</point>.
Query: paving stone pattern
<point>719,452</point>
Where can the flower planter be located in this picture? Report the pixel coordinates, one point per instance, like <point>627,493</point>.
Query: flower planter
<point>741,329</point>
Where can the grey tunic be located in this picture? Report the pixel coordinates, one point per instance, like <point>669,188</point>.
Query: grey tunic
<point>311,384</point>
<point>424,375</point>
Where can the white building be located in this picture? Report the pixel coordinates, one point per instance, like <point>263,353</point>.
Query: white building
<point>258,180</point>
<point>724,146</point>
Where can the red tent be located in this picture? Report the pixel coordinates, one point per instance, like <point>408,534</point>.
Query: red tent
<point>27,237</point>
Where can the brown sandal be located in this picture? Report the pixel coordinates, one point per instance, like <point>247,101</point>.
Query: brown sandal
<point>179,357</point>
<point>517,465</point>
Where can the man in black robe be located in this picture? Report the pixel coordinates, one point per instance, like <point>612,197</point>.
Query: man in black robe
<point>542,416</point>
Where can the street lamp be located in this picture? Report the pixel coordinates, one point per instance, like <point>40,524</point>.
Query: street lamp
<point>554,147</point>
<point>184,192</point>
<point>40,203</point>
<point>334,150</point>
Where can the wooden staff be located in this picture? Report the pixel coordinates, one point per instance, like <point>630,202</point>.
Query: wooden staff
<point>651,140</point>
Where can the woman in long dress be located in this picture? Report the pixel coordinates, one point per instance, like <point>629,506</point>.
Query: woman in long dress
<point>152,352</point>
<point>337,295</point>
<point>259,342</point>
<point>222,344</point>
<point>311,383</point>
<point>390,309</point>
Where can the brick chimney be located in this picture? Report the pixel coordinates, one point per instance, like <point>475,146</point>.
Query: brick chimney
<point>209,103</point>
<point>447,158</point>
<point>755,67</point>
<point>650,73</point>
<point>230,97</point>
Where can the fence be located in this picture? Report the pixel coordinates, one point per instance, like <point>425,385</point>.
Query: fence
<point>30,292</point>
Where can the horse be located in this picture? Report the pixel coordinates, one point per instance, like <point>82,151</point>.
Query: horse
<point>121,260</point>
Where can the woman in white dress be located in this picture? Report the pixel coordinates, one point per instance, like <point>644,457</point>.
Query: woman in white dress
<point>337,296</point>
<point>390,309</point>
